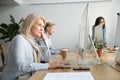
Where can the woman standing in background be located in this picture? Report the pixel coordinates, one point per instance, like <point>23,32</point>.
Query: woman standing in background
<point>99,30</point>
<point>46,45</point>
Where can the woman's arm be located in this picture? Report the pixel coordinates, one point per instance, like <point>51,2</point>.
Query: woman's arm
<point>21,52</point>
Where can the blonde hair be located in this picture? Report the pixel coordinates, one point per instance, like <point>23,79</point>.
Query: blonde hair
<point>28,23</point>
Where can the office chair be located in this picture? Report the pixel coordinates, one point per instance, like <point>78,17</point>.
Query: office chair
<point>2,54</point>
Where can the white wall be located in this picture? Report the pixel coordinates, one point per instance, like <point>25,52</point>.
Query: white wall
<point>67,18</point>
<point>105,10</point>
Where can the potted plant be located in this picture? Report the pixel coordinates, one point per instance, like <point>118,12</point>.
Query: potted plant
<point>99,44</point>
<point>8,31</point>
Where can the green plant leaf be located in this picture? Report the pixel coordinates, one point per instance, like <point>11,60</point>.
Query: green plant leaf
<point>99,44</point>
<point>7,40</point>
<point>3,25</point>
<point>11,30</point>
<point>12,19</point>
<point>21,20</point>
<point>2,31</point>
<point>4,37</point>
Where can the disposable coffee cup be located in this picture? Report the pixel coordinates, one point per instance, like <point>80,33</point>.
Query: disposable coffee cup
<point>64,53</point>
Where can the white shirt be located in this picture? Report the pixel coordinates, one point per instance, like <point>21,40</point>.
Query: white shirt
<point>47,48</point>
<point>20,59</point>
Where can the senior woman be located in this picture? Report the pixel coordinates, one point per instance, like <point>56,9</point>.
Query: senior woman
<point>24,53</point>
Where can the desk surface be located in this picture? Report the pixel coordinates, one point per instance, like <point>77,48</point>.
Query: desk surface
<point>99,71</point>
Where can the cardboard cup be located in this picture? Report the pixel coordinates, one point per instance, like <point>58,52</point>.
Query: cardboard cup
<point>64,53</point>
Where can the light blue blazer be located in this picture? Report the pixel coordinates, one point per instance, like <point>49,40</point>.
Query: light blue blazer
<point>20,59</point>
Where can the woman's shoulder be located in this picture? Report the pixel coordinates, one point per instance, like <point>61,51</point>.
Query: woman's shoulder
<point>18,38</point>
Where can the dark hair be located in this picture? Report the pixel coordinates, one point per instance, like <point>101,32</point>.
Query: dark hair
<point>97,22</point>
<point>48,24</point>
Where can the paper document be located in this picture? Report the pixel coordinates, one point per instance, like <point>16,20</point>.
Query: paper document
<point>69,76</point>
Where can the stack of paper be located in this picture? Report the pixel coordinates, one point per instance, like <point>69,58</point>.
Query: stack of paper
<point>69,76</point>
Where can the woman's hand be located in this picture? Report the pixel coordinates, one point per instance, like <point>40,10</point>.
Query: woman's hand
<point>58,64</point>
<point>43,36</point>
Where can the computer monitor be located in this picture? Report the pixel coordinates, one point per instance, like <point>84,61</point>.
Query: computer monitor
<point>90,56</point>
<point>99,32</point>
<point>83,29</point>
<point>93,49</point>
<point>83,42</point>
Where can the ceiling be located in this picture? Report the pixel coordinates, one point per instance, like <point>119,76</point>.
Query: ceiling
<point>19,2</point>
<point>8,2</point>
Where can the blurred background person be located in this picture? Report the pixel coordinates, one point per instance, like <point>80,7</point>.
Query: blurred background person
<point>46,42</point>
<point>99,30</point>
